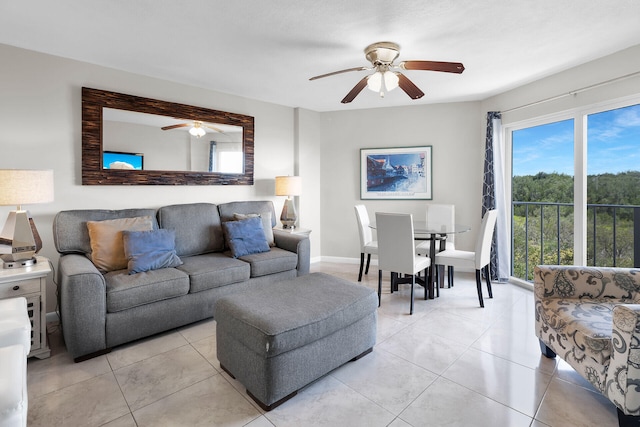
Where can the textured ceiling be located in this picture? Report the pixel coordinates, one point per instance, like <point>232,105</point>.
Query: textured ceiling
<point>267,50</point>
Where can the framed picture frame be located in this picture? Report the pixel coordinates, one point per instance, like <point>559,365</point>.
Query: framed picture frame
<point>403,173</point>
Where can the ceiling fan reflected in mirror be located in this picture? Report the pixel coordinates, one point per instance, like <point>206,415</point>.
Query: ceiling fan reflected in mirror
<point>197,128</point>
<point>385,78</point>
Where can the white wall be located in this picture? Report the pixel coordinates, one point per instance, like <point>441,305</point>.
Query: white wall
<point>40,128</point>
<point>595,73</point>
<point>452,131</point>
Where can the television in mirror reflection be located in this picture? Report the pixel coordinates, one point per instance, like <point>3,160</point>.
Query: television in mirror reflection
<point>121,160</point>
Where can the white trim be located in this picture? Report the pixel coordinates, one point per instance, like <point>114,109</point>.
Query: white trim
<point>579,116</point>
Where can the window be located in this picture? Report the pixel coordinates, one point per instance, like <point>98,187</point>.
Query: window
<point>576,195</point>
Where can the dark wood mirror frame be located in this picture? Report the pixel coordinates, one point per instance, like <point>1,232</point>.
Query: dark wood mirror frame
<point>93,102</point>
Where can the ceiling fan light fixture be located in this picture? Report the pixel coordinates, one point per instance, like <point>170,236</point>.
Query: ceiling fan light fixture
<point>197,131</point>
<point>390,80</point>
<point>374,82</point>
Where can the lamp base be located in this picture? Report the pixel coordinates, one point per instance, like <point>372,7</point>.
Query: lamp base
<point>19,240</point>
<point>289,215</point>
<point>10,263</point>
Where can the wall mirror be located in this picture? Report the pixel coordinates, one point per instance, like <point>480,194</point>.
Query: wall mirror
<point>130,140</point>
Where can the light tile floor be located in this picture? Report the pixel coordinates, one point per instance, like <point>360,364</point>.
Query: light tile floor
<point>449,364</point>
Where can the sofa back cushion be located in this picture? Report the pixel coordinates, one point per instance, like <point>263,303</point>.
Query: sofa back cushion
<point>197,226</point>
<point>70,232</point>
<point>227,210</point>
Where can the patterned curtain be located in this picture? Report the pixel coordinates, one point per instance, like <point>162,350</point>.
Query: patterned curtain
<point>489,188</point>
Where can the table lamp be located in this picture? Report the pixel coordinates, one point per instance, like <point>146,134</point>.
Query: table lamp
<point>288,186</point>
<point>19,240</point>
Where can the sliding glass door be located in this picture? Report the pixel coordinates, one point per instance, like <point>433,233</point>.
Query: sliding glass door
<point>575,190</point>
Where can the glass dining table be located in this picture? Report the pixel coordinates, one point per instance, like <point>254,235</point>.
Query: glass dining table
<point>423,231</point>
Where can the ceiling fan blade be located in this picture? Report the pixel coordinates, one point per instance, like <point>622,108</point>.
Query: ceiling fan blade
<point>447,67</point>
<point>355,91</point>
<point>339,72</point>
<point>181,125</point>
<point>213,128</point>
<point>408,87</point>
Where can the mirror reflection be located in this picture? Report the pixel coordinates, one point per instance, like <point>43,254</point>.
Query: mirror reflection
<point>140,141</point>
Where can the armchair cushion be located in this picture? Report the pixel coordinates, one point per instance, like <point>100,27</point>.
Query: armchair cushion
<point>589,316</point>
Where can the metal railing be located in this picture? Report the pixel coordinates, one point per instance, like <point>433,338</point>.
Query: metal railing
<point>613,235</point>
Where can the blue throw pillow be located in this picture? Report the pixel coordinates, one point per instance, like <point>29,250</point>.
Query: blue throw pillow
<point>150,250</point>
<point>245,237</point>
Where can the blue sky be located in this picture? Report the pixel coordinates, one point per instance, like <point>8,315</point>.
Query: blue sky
<point>613,145</point>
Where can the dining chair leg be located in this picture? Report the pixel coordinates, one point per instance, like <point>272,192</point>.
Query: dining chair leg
<point>379,287</point>
<point>428,278</point>
<point>441,276</point>
<point>487,277</point>
<point>366,271</point>
<point>479,286</point>
<point>361,265</point>
<point>413,282</point>
<point>450,276</point>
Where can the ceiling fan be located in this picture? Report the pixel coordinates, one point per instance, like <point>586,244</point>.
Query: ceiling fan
<point>381,55</point>
<point>197,128</point>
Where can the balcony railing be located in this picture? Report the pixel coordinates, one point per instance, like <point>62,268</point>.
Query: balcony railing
<point>542,233</point>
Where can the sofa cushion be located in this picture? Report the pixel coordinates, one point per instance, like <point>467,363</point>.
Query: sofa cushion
<point>214,270</point>
<point>125,291</point>
<point>274,261</point>
<point>107,246</point>
<point>150,250</point>
<point>245,237</point>
<point>265,217</point>
<point>197,227</point>
<point>70,232</point>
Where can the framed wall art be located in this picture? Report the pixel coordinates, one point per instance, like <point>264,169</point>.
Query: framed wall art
<point>396,173</point>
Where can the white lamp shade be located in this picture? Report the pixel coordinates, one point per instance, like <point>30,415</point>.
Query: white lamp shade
<point>288,185</point>
<point>25,187</point>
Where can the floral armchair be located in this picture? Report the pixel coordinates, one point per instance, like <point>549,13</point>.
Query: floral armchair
<point>590,317</point>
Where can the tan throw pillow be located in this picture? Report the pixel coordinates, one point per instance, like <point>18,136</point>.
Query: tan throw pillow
<point>265,217</point>
<point>107,247</point>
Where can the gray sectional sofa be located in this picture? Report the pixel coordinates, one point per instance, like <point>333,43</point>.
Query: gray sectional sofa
<point>100,310</point>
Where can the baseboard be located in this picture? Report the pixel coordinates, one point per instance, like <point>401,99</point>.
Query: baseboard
<point>345,260</point>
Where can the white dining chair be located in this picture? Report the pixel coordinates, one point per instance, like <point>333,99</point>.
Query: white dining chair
<point>367,244</point>
<point>396,250</point>
<point>440,214</point>
<point>479,259</point>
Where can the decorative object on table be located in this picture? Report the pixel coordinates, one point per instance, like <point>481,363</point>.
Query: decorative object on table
<point>288,186</point>
<point>396,173</point>
<point>19,240</point>
<point>381,55</point>
<point>367,244</point>
<point>479,259</point>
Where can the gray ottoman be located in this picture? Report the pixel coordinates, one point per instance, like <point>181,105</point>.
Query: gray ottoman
<point>281,338</point>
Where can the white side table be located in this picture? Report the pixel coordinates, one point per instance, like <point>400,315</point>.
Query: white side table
<point>296,230</point>
<point>31,283</point>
